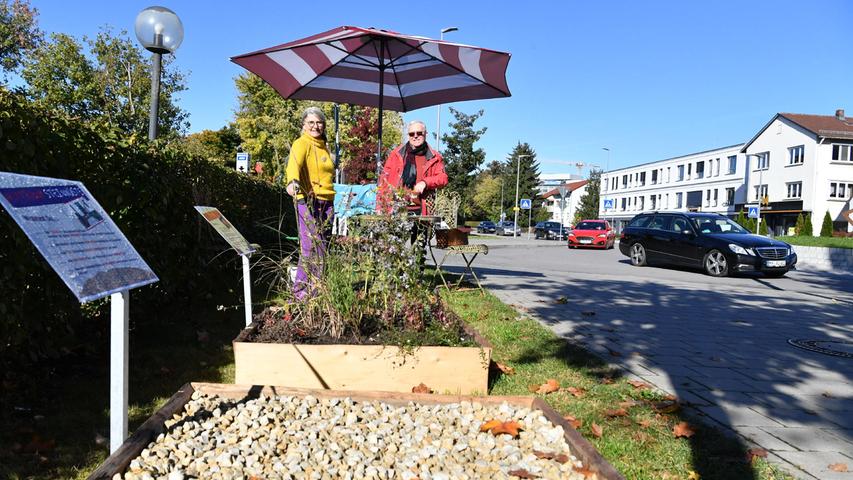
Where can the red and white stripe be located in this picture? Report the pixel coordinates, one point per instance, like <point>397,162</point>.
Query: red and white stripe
<point>342,65</point>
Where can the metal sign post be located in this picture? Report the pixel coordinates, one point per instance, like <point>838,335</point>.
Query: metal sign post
<point>563,190</point>
<point>526,204</point>
<point>119,353</point>
<point>239,243</point>
<point>63,220</point>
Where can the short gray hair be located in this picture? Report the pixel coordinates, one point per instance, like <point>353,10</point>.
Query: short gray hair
<point>416,122</point>
<point>313,111</point>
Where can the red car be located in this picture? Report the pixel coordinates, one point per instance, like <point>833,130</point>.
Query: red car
<point>592,233</point>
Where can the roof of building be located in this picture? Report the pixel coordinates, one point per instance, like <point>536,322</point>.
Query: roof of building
<point>827,126</point>
<point>571,187</point>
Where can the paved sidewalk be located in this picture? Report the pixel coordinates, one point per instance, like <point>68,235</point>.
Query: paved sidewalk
<point>719,344</point>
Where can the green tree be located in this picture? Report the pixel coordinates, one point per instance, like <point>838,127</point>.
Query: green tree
<point>826,227</point>
<point>107,83</point>
<point>762,229</point>
<point>799,225</point>
<point>218,146</point>
<point>19,33</point>
<point>487,197</point>
<point>808,230</point>
<point>461,159</point>
<point>521,167</point>
<point>589,202</point>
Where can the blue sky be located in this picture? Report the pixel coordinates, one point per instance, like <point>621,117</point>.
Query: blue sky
<point>650,80</point>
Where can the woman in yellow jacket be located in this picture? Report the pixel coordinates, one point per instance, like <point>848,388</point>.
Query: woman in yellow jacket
<point>310,174</point>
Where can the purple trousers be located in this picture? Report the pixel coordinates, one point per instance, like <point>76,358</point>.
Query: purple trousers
<point>314,221</point>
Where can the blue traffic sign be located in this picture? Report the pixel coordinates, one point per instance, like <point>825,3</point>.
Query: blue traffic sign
<point>608,204</point>
<point>753,212</point>
<point>525,203</point>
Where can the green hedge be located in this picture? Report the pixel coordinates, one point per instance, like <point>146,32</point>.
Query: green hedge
<point>149,191</point>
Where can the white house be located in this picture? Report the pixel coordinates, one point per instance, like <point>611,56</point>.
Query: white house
<point>709,181</point>
<point>550,181</point>
<point>564,212</point>
<point>802,164</point>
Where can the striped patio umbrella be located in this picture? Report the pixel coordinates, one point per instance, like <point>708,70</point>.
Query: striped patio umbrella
<point>379,68</point>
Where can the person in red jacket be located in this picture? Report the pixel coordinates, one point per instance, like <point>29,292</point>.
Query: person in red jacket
<point>416,168</point>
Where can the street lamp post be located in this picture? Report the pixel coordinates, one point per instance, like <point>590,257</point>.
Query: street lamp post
<point>438,115</point>
<point>517,176</point>
<point>758,195</point>
<point>607,167</point>
<point>160,31</point>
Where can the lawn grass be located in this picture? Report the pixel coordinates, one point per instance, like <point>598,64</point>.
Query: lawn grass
<point>809,241</point>
<point>641,444</point>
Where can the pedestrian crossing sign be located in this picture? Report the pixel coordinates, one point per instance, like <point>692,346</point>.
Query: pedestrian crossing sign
<point>753,212</point>
<point>525,204</point>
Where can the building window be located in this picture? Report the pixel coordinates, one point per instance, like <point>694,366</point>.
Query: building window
<point>708,198</point>
<point>642,179</point>
<point>795,190</point>
<point>653,203</point>
<point>680,173</point>
<point>730,196</point>
<point>678,200</point>
<point>716,196</point>
<point>732,164</point>
<point>796,154</point>
<point>762,161</point>
<point>642,203</point>
<point>842,190</point>
<point>717,169</point>
<point>654,177</point>
<point>623,205</point>
<point>700,169</point>
<point>668,174</point>
<point>624,181</point>
<point>760,191</point>
<point>842,153</point>
<point>666,201</point>
<point>689,170</point>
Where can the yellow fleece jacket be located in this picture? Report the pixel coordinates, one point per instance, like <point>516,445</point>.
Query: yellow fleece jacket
<point>311,166</point>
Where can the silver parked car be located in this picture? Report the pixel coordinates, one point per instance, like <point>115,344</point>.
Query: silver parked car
<point>507,228</point>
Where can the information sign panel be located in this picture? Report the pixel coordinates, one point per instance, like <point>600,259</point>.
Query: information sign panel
<point>525,203</point>
<point>74,234</point>
<point>221,224</point>
<point>608,204</point>
<point>243,162</point>
<point>753,212</point>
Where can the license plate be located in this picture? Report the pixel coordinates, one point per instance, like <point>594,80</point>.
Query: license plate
<point>775,263</point>
<point>586,241</point>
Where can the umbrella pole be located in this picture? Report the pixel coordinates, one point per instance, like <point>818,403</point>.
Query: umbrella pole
<point>382,43</point>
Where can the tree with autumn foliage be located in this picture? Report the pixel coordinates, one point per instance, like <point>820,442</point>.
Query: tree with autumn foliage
<point>19,34</point>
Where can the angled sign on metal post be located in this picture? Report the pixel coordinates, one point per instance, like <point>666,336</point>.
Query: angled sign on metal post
<point>239,243</point>
<point>524,203</point>
<point>91,255</point>
<point>753,212</point>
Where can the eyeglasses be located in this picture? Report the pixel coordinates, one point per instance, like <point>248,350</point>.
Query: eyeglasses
<point>416,134</point>
<point>313,123</point>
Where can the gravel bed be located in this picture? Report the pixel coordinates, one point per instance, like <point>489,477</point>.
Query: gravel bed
<point>284,437</point>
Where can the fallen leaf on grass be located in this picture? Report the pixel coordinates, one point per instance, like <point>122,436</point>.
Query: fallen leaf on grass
<point>574,422</point>
<point>561,458</point>
<point>505,369</point>
<point>838,467</point>
<point>639,384</point>
<point>576,392</point>
<point>421,389</point>
<point>596,430</point>
<point>619,412</point>
<point>644,423</point>
<point>752,453</point>
<point>693,476</point>
<point>522,473</point>
<point>683,429</point>
<point>606,380</point>
<point>496,427</point>
<point>629,403</point>
<point>666,406</point>
<point>533,388</point>
<point>548,387</point>
<point>587,473</point>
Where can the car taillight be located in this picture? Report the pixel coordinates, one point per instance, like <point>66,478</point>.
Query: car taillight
<point>622,236</point>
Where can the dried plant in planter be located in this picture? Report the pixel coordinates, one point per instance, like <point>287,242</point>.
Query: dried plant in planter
<point>371,290</point>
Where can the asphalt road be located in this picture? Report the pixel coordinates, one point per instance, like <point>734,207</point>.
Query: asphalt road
<point>721,344</point>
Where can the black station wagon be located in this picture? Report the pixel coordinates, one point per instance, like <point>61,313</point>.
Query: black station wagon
<point>710,241</point>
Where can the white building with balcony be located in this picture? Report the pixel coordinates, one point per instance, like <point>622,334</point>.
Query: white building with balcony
<point>564,211</point>
<point>709,181</point>
<point>802,164</point>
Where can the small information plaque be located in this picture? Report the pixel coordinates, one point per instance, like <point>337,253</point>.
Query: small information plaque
<point>74,234</point>
<point>221,224</point>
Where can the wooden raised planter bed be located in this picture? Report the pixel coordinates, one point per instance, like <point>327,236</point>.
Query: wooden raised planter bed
<point>118,462</point>
<point>454,370</point>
